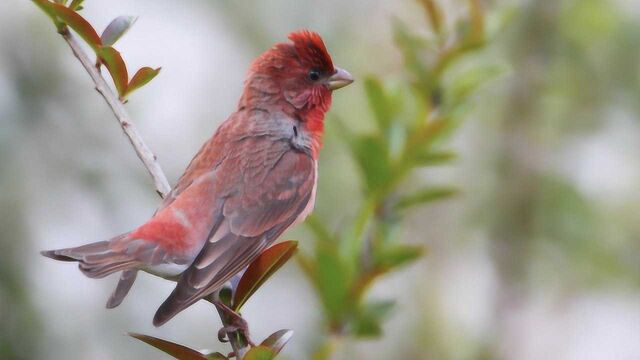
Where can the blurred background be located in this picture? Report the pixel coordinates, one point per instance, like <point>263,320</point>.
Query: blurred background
<point>538,257</point>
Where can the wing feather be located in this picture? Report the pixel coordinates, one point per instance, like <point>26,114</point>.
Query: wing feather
<point>268,200</point>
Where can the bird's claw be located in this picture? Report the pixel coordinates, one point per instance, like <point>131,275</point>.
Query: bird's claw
<point>223,333</point>
<point>235,324</point>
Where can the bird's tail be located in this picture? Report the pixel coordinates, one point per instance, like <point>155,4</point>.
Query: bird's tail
<point>99,259</point>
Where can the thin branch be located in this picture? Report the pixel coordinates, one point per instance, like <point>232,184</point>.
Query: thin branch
<point>144,153</point>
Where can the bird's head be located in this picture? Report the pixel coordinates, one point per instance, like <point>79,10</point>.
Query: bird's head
<point>299,72</point>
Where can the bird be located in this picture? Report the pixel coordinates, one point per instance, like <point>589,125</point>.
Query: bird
<point>252,180</point>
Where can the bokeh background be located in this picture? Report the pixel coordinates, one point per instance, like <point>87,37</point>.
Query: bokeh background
<point>539,257</point>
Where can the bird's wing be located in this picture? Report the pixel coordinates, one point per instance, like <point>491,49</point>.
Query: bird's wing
<point>273,185</point>
<point>230,141</point>
<point>239,150</point>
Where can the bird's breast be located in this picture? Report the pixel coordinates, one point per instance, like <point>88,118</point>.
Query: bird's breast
<point>312,199</point>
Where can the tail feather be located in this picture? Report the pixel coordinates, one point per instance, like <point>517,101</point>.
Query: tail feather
<point>110,256</point>
<point>102,269</point>
<point>127,279</point>
<point>99,259</point>
<point>53,254</point>
<point>77,253</point>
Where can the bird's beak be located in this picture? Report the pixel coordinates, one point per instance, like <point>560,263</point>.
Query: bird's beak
<point>339,79</point>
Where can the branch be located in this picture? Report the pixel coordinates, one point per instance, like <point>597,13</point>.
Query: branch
<point>144,153</point>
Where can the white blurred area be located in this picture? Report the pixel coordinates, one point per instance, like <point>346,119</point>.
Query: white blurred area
<point>75,179</point>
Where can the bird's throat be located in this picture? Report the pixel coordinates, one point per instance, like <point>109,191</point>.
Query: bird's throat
<point>313,120</point>
<point>313,116</point>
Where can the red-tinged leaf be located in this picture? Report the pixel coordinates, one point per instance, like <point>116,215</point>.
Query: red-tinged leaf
<point>116,66</point>
<point>260,353</point>
<point>216,356</point>
<point>278,340</point>
<point>178,351</point>
<point>142,78</point>
<point>116,28</point>
<point>261,269</point>
<point>78,24</point>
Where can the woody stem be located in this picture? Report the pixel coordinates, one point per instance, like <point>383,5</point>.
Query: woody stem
<point>117,107</point>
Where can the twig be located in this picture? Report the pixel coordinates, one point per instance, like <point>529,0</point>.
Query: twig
<point>144,153</point>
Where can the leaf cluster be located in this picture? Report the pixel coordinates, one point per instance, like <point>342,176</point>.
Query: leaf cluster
<point>65,17</point>
<point>412,123</point>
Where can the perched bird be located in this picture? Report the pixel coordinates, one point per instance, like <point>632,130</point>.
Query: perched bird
<point>251,181</point>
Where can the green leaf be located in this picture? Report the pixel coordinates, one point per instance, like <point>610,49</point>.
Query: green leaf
<point>371,155</point>
<point>44,5</point>
<point>141,78</point>
<point>118,27</point>
<point>364,148</point>
<point>308,266</point>
<point>117,68</point>
<point>278,340</point>
<point>369,318</point>
<point>333,280</point>
<point>351,241</point>
<point>433,131</point>
<point>396,141</point>
<point>178,351</point>
<point>422,109</point>
<point>468,82</point>
<point>393,256</point>
<point>265,265</point>
<point>379,102</point>
<point>77,23</point>
<point>260,353</point>
<point>426,195</point>
<point>225,295</point>
<point>432,158</point>
<point>565,214</point>
<point>412,47</point>
<point>319,230</point>
<point>437,131</point>
<point>76,5</point>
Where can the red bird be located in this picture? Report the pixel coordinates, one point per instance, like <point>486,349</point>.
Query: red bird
<point>251,181</point>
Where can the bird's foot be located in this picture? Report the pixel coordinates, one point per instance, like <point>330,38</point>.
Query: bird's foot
<point>235,323</point>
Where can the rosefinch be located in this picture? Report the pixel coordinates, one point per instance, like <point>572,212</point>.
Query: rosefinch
<point>251,181</point>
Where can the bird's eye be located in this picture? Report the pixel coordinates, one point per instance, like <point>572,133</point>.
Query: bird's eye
<point>314,75</point>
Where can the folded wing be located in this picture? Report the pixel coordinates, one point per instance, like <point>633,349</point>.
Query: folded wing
<point>273,183</point>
